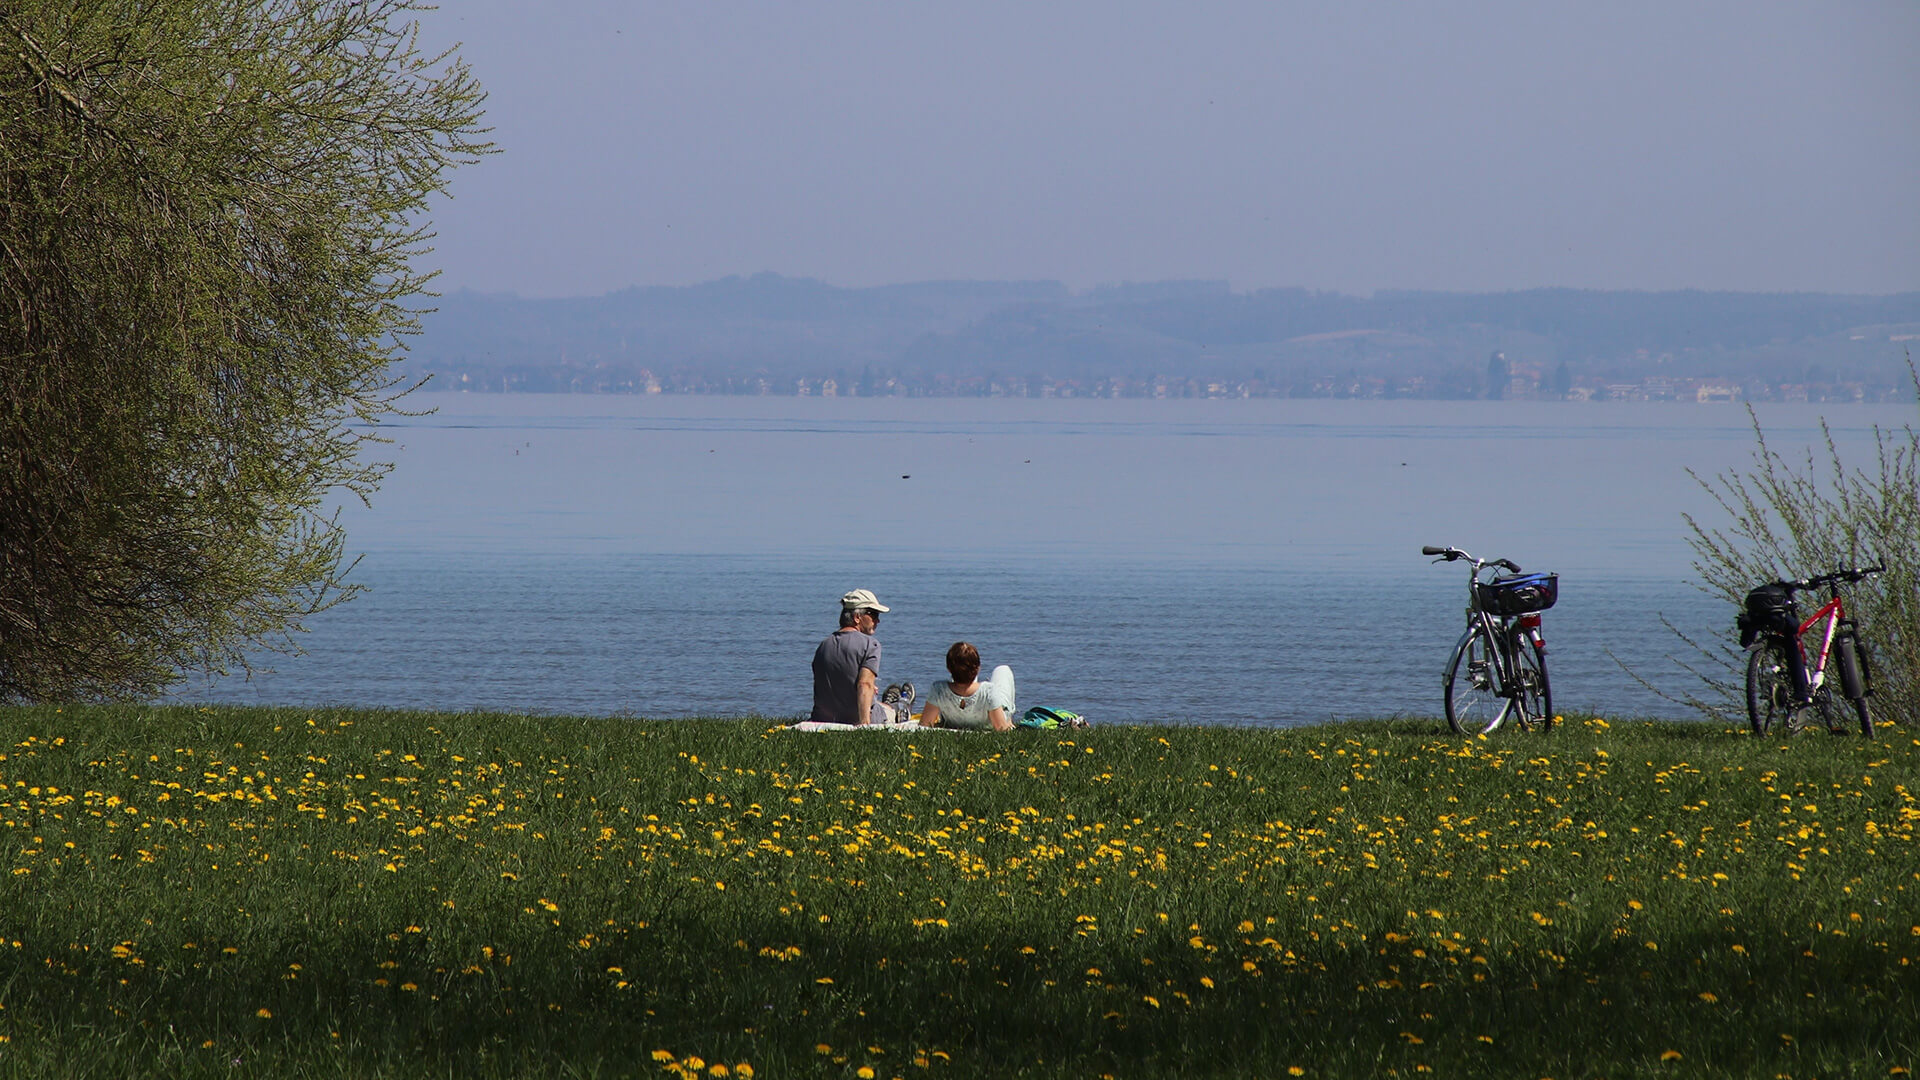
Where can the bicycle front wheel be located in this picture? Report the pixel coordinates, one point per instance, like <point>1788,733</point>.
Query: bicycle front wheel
<point>1771,700</point>
<point>1475,702</point>
<point>1851,659</point>
<point>1536,693</point>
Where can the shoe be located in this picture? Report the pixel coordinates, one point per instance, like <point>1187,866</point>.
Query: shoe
<point>890,697</point>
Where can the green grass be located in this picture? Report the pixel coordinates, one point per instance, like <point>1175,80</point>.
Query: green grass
<point>315,893</point>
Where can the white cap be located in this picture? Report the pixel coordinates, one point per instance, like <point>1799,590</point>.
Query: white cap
<point>862,600</point>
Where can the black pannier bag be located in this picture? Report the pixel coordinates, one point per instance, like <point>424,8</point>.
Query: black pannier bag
<point>1769,610</point>
<point>1520,594</point>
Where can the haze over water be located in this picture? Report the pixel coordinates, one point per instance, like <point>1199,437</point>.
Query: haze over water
<point>1188,561</point>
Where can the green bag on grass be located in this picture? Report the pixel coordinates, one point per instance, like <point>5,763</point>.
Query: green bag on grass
<point>1045,719</point>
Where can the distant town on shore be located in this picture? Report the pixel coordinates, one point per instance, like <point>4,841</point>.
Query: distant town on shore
<point>769,334</point>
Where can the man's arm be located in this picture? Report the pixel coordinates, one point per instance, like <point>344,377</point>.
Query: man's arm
<point>864,695</point>
<point>930,716</point>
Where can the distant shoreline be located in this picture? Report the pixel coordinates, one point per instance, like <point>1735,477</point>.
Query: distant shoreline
<point>1700,392</point>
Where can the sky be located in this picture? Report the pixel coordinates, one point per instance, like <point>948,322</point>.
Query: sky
<point>1746,145</point>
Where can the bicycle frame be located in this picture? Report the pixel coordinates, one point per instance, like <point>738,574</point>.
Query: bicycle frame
<point>1808,678</point>
<point>1505,631</point>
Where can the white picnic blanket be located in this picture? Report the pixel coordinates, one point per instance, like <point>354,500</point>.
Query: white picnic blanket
<point>905,725</point>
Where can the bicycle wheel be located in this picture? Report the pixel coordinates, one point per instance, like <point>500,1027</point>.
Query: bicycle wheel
<point>1475,704</point>
<point>1536,693</point>
<point>1771,700</point>
<point>1851,659</point>
<point>1820,714</point>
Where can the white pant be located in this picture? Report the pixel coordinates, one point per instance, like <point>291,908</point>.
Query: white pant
<point>1002,680</point>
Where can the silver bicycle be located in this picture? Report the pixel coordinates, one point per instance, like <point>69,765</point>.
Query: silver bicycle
<point>1498,670</point>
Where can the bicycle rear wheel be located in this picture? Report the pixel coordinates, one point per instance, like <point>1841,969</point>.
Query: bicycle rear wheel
<point>1475,702</point>
<point>1536,693</point>
<point>1771,700</point>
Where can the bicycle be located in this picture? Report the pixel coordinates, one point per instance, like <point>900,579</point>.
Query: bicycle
<point>1781,687</point>
<point>1499,667</point>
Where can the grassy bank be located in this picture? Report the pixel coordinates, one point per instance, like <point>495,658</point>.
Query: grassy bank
<point>293,892</point>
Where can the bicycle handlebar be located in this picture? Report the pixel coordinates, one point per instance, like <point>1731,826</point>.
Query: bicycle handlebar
<point>1451,553</point>
<point>1850,577</point>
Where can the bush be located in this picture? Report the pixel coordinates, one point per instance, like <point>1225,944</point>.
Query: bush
<point>208,214</point>
<point>1795,519</point>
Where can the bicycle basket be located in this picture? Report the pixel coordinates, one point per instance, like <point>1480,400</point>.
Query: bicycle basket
<point>1520,594</point>
<point>1769,610</point>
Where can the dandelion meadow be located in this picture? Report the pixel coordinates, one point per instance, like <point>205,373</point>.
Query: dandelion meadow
<point>195,892</point>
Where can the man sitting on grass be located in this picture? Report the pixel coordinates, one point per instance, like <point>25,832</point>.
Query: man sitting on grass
<point>846,667</point>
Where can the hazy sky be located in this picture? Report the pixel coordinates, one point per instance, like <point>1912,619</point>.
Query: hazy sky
<point>1723,145</point>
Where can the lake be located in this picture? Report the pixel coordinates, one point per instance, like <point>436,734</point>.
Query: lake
<point>1245,562</point>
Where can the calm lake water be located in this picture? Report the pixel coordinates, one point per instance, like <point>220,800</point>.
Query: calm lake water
<point>1251,562</point>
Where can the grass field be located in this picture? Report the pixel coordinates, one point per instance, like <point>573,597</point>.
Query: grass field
<point>299,893</point>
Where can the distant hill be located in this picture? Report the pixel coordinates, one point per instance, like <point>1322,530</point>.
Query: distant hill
<point>769,333</point>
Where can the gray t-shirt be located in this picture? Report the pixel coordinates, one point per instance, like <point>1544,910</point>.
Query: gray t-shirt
<point>836,677</point>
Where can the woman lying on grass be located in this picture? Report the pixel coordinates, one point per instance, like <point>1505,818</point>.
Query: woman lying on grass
<point>966,702</point>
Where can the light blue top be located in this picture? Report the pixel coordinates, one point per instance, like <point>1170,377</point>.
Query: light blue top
<point>966,712</point>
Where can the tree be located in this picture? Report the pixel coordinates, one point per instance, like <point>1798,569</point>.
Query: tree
<point>1785,520</point>
<point>208,215</point>
<point>1563,379</point>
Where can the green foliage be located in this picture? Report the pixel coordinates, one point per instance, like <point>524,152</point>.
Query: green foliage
<point>1787,521</point>
<point>296,892</point>
<point>208,210</point>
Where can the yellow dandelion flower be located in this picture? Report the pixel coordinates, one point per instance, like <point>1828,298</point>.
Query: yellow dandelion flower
<point>1708,997</point>
<point>718,1069</point>
<point>822,1049</point>
<point>1206,982</point>
<point>824,981</point>
<point>1670,1055</point>
<point>1295,1070</point>
<point>409,986</point>
<point>864,1072</point>
<point>1245,927</point>
<point>1151,1000</point>
<point>663,1055</point>
<point>264,1014</point>
<point>743,1069</point>
<point>208,1045</point>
